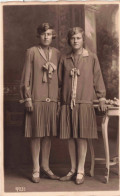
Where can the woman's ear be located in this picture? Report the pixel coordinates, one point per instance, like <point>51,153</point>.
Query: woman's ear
<point>68,41</point>
<point>54,34</point>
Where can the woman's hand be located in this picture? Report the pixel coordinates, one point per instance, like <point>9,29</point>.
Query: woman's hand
<point>102,106</point>
<point>29,106</point>
<point>58,108</point>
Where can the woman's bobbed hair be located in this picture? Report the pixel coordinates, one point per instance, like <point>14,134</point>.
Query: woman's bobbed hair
<point>73,31</point>
<point>44,27</point>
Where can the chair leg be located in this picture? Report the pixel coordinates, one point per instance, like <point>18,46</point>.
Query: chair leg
<point>106,146</point>
<point>92,157</point>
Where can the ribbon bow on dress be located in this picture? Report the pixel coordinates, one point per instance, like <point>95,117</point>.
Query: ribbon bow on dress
<point>49,68</point>
<point>74,73</point>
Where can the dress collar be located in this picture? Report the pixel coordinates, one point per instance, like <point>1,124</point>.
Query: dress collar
<point>84,54</point>
<point>41,51</point>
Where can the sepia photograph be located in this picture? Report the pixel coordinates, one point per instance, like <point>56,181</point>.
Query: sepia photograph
<point>61,98</point>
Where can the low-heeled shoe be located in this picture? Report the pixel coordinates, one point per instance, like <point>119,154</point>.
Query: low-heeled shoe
<point>79,181</point>
<point>35,179</point>
<point>53,177</point>
<point>67,178</point>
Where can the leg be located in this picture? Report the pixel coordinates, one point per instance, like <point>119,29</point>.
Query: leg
<point>106,145</point>
<point>46,147</point>
<point>92,157</point>
<point>35,150</point>
<point>72,152</point>
<point>82,151</point>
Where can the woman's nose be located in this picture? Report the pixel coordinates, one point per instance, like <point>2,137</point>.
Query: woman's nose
<point>75,40</point>
<point>46,36</point>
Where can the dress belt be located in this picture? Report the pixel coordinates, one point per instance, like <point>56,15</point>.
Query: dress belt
<point>45,100</point>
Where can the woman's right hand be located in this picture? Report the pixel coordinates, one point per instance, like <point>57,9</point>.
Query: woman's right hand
<point>58,108</point>
<point>29,106</point>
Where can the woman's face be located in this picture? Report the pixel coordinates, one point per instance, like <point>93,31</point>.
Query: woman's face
<point>46,38</point>
<point>76,41</point>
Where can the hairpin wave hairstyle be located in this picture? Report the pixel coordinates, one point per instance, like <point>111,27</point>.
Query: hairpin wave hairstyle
<point>73,31</point>
<point>44,27</point>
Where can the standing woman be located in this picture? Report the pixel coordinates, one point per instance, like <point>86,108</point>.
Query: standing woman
<point>39,91</point>
<point>79,77</point>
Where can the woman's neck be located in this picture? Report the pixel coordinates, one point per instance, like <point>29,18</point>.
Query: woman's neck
<point>79,51</point>
<point>44,47</point>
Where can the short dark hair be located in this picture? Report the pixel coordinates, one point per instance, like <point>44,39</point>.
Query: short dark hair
<point>44,27</point>
<point>73,31</point>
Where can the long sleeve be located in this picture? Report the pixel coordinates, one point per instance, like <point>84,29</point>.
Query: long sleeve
<point>25,89</point>
<point>98,80</point>
<point>60,76</point>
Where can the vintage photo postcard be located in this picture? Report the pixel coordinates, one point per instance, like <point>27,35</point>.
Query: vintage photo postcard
<point>59,98</point>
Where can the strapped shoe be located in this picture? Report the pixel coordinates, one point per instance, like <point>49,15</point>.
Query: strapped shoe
<point>68,177</point>
<point>51,176</point>
<point>79,180</point>
<point>35,177</point>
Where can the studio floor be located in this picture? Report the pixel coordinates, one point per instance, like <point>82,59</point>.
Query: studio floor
<point>15,178</point>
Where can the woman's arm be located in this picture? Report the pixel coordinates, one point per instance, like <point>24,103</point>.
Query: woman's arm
<point>99,85</point>
<point>60,77</point>
<point>25,89</point>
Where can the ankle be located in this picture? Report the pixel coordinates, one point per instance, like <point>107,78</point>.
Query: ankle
<point>36,174</point>
<point>73,170</point>
<point>45,167</point>
<point>80,171</point>
<point>36,169</point>
<point>80,175</point>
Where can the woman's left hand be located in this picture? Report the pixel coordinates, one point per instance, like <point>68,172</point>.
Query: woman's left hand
<point>102,106</point>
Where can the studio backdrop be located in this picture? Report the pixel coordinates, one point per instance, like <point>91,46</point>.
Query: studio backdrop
<point>19,25</point>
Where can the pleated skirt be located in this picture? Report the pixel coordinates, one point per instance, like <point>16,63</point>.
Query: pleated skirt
<point>42,121</point>
<point>78,123</point>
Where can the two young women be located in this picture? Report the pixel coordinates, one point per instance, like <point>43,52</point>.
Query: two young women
<point>77,74</point>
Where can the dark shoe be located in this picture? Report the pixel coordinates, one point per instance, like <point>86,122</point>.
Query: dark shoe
<point>67,178</point>
<point>79,180</point>
<point>53,177</point>
<point>35,179</point>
